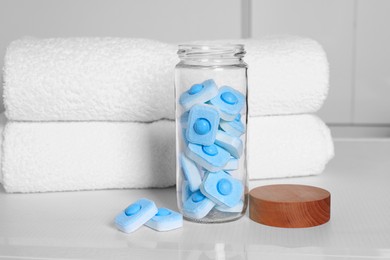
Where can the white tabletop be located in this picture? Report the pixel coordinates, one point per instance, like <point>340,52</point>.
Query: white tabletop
<point>70,225</point>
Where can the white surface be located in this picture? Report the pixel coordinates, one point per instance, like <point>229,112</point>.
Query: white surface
<point>372,92</point>
<point>330,22</point>
<point>73,225</point>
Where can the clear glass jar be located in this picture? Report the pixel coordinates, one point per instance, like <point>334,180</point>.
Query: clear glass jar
<point>211,119</point>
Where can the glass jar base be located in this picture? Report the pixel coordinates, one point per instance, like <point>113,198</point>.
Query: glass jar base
<point>216,216</point>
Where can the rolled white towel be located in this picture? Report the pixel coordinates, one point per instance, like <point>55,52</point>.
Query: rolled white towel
<point>115,79</point>
<point>39,157</point>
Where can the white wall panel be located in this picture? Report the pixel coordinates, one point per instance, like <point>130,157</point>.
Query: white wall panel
<point>173,20</point>
<point>330,22</point>
<point>372,94</point>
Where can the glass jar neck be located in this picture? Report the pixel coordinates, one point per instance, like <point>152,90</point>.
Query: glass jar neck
<point>211,55</point>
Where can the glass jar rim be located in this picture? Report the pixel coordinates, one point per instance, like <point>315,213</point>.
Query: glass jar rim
<point>207,46</point>
<point>186,50</point>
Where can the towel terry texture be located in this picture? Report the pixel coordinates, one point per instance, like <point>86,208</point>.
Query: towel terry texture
<point>286,74</point>
<point>62,156</point>
<point>115,79</point>
<point>58,156</point>
<point>288,146</point>
<point>85,113</point>
<point>80,79</point>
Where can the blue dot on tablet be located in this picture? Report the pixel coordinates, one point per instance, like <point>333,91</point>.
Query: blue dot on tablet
<point>210,150</point>
<point>163,212</point>
<point>238,118</point>
<point>224,187</point>
<point>132,209</point>
<point>197,197</point>
<point>229,98</point>
<point>195,89</point>
<point>202,126</point>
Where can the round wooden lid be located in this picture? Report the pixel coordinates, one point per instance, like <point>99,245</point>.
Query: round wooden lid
<point>289,205</point>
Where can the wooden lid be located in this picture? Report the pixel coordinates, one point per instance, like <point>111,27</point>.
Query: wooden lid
<point>289,205</point>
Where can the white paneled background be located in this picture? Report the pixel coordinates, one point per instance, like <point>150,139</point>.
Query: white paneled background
<point>330,22</point>
<point>355,34</point>
<point>372,63</point>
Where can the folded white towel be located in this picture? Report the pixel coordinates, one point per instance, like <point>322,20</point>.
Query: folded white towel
<point>287,146</point>
<point>40,157</point>
<point>113,79</point>
<point>3,121</point>
<point>80,79</point>
<point>287,75</point>
<point>57,156</point>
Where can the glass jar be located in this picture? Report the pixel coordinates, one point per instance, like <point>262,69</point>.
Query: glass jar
<point>211,119</point>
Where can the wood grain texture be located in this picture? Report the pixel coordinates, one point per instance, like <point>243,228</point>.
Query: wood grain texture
<point>289,206</point>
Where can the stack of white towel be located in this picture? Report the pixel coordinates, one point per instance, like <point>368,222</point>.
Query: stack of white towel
<point>87,113</point>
